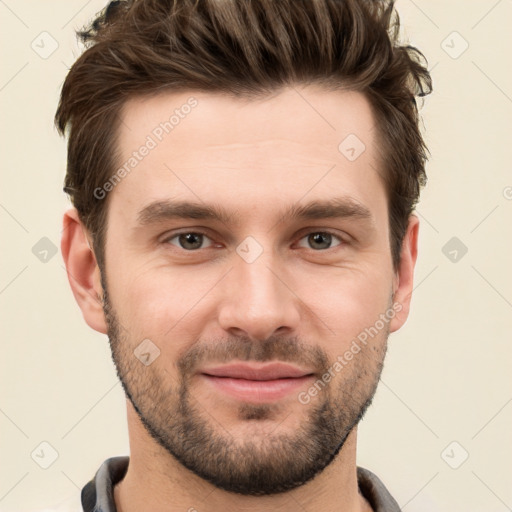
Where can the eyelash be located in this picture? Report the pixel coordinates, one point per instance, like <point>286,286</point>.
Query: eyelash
<point>199,232</point>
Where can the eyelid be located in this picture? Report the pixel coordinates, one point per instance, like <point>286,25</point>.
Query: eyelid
<point>302,234</point>
<point>325,231</point>
<point>169,237</point>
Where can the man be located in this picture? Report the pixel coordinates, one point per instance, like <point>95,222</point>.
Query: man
<point>243,176</point>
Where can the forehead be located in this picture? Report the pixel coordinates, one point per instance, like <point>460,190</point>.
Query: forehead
<point>302,143</point>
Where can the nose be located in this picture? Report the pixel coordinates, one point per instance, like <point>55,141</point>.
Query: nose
<point>258,302</point>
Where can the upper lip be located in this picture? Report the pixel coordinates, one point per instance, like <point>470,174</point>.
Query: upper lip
<point>256,372</point>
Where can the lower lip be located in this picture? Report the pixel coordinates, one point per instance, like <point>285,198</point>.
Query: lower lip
<point>257,391</point>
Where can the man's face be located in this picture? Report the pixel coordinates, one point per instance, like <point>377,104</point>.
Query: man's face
<point>255,287</point>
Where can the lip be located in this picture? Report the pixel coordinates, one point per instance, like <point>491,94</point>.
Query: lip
<point>269,371</point>
<point>256,383</point>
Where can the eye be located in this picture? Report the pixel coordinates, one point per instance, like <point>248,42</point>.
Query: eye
<point>318,240</point>
<point>188,240</point>
<point>193,240</point>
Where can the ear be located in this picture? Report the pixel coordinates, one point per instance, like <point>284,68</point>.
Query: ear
<point>83,271</point>
<point>403,281</point>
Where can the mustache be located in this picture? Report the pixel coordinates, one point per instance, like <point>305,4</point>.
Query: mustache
<point>289,350</point>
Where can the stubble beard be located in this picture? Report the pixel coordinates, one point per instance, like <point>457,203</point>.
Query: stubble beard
<point>267,463</point>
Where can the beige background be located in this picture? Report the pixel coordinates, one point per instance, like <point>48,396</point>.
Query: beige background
<point>448,370</point>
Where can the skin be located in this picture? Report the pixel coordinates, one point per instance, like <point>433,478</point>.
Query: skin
<point>297,302</point>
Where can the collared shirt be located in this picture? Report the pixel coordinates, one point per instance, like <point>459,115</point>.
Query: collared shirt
<point>98,494</point>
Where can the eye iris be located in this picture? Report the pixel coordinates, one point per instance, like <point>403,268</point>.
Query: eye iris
<point>190,238</point>
<point>320,238</point>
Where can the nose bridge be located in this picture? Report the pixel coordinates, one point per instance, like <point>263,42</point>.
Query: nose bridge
<point>258,280</point>
<point>258,301</point>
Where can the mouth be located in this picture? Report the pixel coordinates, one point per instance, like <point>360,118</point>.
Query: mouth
<point>256,383</point>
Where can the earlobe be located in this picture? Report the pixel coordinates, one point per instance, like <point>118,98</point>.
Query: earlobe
<point>405,275</point>
<point>83,271</point>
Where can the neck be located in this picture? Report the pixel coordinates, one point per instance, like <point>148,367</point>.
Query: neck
<point>156,481</point>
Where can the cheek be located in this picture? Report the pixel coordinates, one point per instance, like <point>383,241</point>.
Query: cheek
<point>161,304</point>
<point>350,303</point>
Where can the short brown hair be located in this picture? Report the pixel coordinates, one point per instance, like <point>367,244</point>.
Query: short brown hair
<point>246,48</point>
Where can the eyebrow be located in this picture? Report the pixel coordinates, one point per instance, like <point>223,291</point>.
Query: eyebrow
<point>338,207</point>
